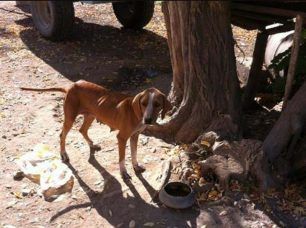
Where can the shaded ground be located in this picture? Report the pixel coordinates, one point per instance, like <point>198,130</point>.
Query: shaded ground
<point>101,52</point>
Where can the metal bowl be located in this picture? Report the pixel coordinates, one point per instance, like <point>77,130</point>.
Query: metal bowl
<point>177,195</point>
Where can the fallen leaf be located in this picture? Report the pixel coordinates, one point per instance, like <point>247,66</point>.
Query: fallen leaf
<point>18,195</point>
<point>299,211</point>
<point>150,224</point>
<point>205,143</point>
<point>132,224</point>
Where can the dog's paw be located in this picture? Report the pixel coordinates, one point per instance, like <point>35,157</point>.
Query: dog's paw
<point>65,157</point>
<point>95,147</point>
<point>139,168</point>
<point>125,176</point>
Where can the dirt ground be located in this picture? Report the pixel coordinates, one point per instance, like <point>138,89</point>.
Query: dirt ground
<point>123,60</point>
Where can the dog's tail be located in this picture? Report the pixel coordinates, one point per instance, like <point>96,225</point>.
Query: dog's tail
<point>55,89</point>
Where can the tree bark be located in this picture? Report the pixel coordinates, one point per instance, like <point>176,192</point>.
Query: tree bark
<point>297,37</point>
<point>205,88</point>
<point>280,146</point>
<point>255,71</point>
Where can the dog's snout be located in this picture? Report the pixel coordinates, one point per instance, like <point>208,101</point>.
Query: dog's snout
<point>148,120</point>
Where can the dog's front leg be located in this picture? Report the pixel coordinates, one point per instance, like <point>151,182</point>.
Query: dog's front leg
<point>122,144</point>
<point>133,144</point>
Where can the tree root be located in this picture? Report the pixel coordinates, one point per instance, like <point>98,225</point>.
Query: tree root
<point>223,168</point>
<point>237,160</point>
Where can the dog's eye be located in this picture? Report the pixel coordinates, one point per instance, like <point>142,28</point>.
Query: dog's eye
<point>156,104</point>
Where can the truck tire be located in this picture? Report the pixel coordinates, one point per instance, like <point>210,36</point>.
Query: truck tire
<point>53,19</point>
<point>134,14</point>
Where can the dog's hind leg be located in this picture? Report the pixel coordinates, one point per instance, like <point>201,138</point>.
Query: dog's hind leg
<point>88,119</point>
<point>70,114</point>
<point>66,128</point>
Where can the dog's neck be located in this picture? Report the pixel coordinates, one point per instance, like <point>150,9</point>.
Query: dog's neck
<point>140,128</point>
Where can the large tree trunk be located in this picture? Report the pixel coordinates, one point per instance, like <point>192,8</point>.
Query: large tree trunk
<point>205,87</point>
<point>284,146</point>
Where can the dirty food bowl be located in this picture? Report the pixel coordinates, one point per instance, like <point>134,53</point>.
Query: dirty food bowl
<point>177,195</point>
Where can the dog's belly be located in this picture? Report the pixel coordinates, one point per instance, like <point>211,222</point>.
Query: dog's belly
<point>108,118</point>
<point>100,117</point>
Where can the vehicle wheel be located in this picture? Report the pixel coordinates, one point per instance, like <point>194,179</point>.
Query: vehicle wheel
<point>134,14</point>
<point>53,19</point>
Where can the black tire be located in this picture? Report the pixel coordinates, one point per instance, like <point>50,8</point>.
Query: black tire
<point>53,19</point>
<point>134,14</point>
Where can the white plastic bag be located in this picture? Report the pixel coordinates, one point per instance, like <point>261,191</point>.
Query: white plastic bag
<point>46,168</point>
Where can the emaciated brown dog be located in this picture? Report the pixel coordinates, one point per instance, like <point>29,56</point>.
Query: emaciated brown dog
<point>125,113</point>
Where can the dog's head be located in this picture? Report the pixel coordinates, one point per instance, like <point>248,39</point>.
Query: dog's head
<point>148,104</point>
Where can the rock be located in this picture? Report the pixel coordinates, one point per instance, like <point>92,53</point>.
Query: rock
<point>205,187</point>
<point>18,176</point>
<point>74,197</point>
<point>144,141</point>
<point>8,186</point>
<point>132,224</point>
<point>11,204</point>
<point>149,224</point>
<point>223,213</point>
<point>9,226</point>
<point>99,182</point>
<point>26,192</point>
<point>35,220</point>
<point>202,181</point>
<point>131,206</point>
<point>153,150</point>
<point>58,198</point>
<point>110,213</point>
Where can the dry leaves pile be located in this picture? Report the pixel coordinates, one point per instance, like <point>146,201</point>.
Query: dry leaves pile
<point>189,170</point>
<point>289,201</point>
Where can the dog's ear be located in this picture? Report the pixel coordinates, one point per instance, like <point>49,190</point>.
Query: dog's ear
<point>122,105</point>
<point>136,105</point>
<point>166,107</point>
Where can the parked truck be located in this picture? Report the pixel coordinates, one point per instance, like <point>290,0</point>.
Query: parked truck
<point>54,19</point>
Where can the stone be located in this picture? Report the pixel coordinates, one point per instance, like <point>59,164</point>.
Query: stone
<point>131,206</point>
<point>223,213</point>
<point>132,224</point>
<point>18,176</point>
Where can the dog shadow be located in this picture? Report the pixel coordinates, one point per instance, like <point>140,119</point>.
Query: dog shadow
<point>119,59</point>
<point>112,199</point>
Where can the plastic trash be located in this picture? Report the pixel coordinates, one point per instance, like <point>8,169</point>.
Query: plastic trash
<point>46,169</point>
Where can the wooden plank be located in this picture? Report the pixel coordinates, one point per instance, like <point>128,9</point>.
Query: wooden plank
<point>259,17</point>
<point>282,28</point>
<point>267,10</point>
<point>293,58</point>
<point>255,71</point>
<point>23,3</point>
<point>247,23</point>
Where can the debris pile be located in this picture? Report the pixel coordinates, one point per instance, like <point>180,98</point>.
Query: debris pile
<point>45,168</point>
